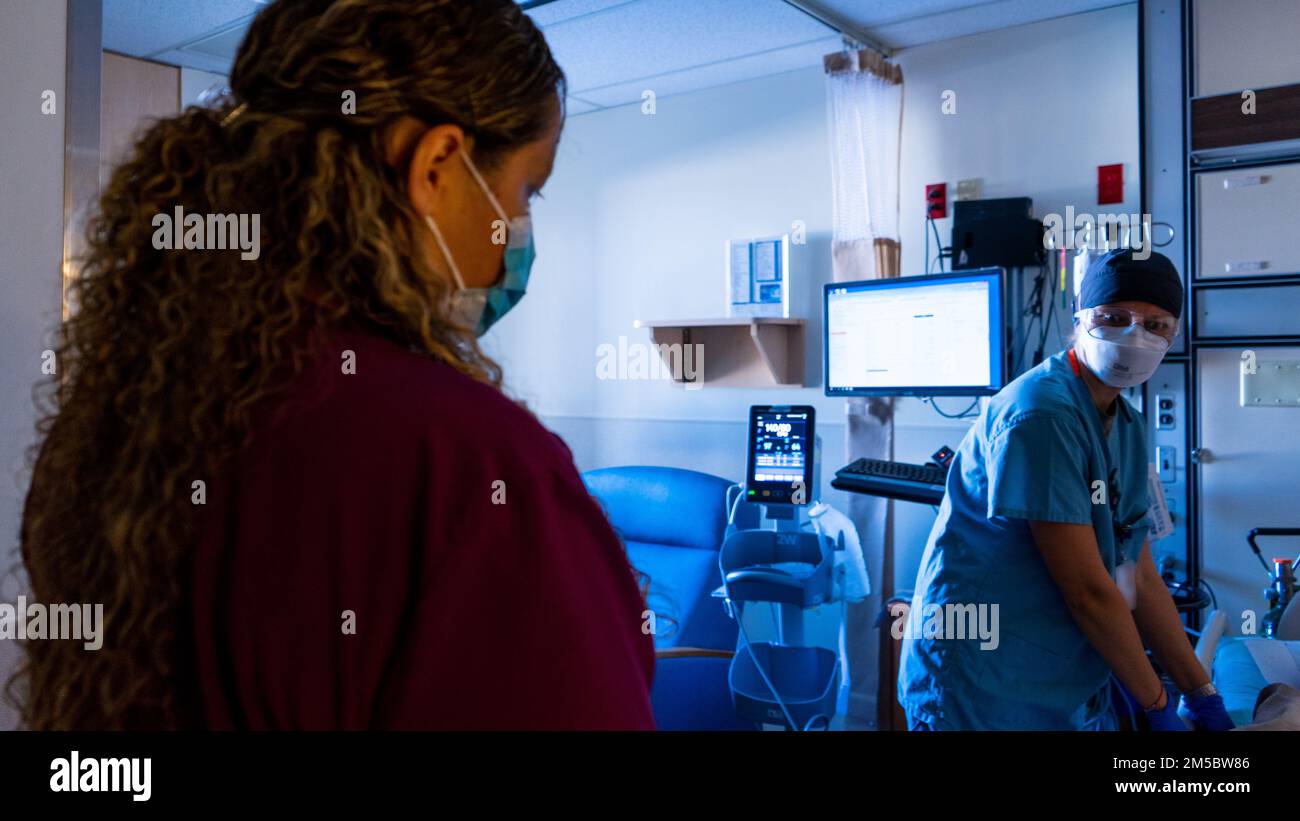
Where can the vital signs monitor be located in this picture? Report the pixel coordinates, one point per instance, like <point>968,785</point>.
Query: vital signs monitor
<point>782,442</point>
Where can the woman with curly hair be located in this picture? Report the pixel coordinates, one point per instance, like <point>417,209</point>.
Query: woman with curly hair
<point>294,481</point>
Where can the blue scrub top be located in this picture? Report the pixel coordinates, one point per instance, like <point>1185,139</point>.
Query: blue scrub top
<point>1034,454</point>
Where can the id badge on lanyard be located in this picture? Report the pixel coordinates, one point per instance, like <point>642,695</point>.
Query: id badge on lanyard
<point>1126,571</point>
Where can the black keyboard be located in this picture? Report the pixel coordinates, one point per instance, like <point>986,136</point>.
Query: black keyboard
<point>895,480</point>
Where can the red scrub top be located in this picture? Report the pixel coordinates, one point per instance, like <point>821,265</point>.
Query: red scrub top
<point>443,524</point>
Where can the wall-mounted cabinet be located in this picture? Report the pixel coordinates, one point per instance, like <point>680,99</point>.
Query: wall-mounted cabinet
<point>1248,311</point>
<point>1261,123</point>
<point>1248,472</point>
<point>1246,221</point>
<point>1243,171</point>
<point>1244,45</point>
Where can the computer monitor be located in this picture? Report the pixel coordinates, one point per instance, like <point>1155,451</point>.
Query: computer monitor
<point>939,335</point>
<point>782,453</point>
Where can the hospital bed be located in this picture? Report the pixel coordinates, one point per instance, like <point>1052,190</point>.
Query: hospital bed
<point>1242,666</point>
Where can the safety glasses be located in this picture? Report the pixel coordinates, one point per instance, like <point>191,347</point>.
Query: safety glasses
<point>1109,316</point>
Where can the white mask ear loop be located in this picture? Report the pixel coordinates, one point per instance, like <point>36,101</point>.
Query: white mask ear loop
<point>437,234</point>
<point>496,206</point>
<point>446,252</point>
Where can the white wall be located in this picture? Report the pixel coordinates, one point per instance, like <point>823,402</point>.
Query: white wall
<point>639,206</point>
<point>194,83</point>
<point>633,226</point>
<point>32,54</point>
<point>1039,107</point>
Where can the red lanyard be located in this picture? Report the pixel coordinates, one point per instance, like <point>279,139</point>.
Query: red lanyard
<point>1122,532</point>
<point>1074,363</point>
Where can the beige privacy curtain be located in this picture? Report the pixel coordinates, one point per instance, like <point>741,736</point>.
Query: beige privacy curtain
<point>865,110</point>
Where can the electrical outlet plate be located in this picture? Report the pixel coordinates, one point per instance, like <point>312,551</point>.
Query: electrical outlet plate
<point>936,200</point>
<point>1162,413</point>
<point>1167,463</point>
<point>1273,384</point>
<point>969,189</point>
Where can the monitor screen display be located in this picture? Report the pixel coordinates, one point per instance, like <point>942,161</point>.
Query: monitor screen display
<point>780,454</point>
<point>915,336</point>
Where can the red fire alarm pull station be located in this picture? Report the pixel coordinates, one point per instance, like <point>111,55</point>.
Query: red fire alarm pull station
<point>936,201</point>
<point>1110,184</point>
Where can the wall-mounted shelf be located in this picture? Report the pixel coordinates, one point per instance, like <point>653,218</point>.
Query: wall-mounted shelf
<point>750,352</point>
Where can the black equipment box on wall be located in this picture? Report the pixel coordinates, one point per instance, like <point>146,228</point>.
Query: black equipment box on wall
<point>996,233</point>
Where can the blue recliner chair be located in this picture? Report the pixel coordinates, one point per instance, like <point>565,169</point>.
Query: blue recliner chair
<point>672,521</point>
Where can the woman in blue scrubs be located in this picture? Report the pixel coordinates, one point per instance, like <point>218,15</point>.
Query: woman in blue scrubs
<point>1043,533</point>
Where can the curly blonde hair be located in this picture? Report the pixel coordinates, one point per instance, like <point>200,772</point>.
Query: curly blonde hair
<point>168,353</point>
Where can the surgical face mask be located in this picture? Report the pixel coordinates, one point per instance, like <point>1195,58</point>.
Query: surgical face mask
<point>480,308</point>
<point>1122,357</point>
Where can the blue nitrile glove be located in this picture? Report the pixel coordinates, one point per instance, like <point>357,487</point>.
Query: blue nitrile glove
<point>1208,713</point>
<point>1166,719</point>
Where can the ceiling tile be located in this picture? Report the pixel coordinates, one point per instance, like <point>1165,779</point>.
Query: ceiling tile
<point>652,38</point>
<point>562,10</point>
<point>145,28</point>
<point>731,71</point>
<point>223,45</point>
<point>884,12</point>
<point>573,106</point>
<point>612,50</point>
<point>194,59</point>
<point>903,23</point>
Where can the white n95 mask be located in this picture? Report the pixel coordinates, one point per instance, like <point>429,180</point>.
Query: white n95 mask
<point>1122,357</point>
